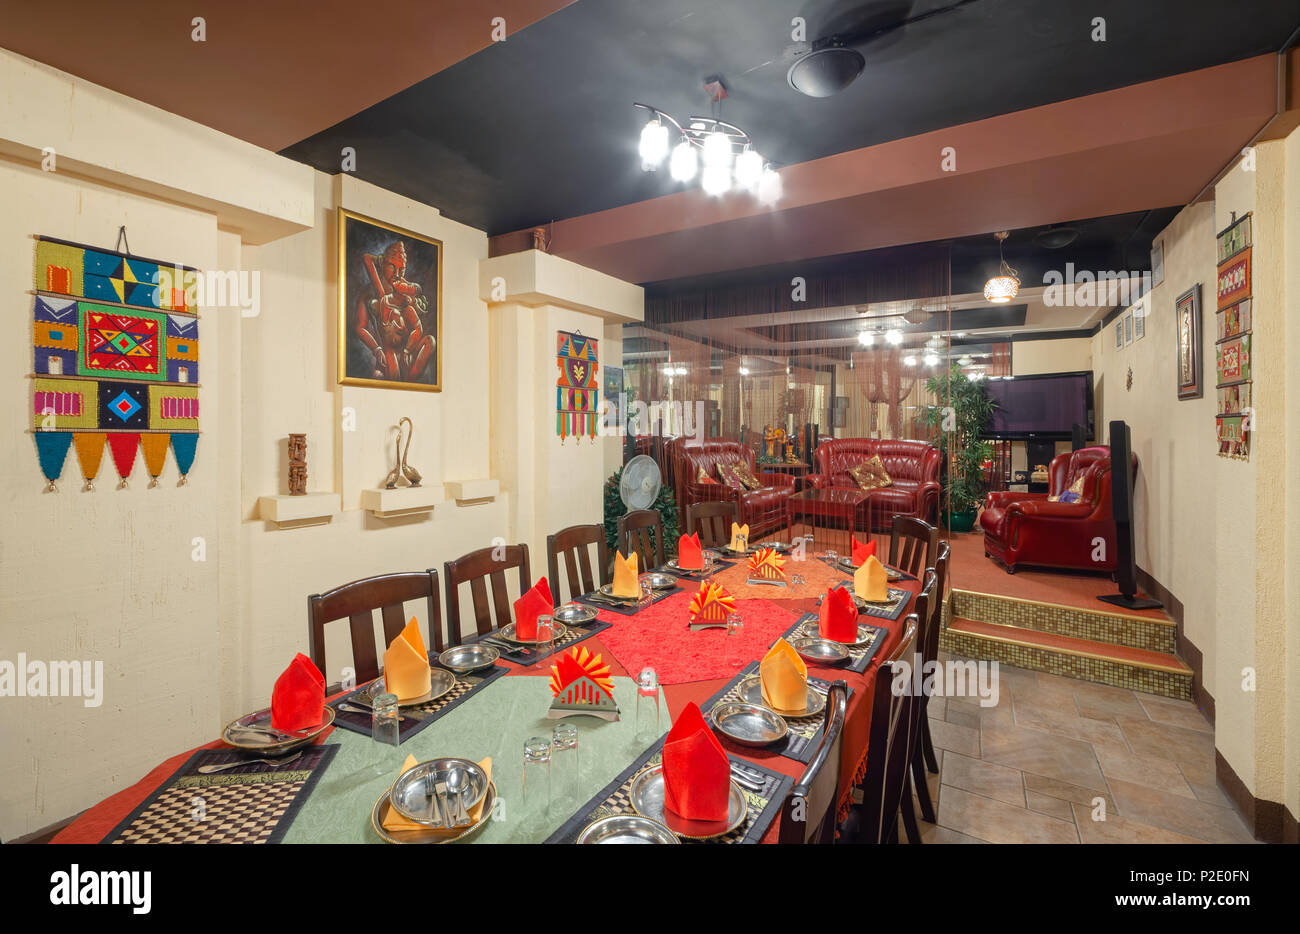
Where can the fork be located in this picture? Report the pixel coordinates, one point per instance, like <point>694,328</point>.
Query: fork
<point>435,801</point>
<point>209,769</point>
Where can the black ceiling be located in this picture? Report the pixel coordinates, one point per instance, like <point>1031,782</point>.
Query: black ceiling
<point>541,127</point>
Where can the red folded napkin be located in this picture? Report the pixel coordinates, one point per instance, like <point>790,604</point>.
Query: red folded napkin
<point>697,774</point>
<point>298,700</point>
<point>690,556</point>
<point>862,552</point>
<point>537,602</point>
<point>837,618</point>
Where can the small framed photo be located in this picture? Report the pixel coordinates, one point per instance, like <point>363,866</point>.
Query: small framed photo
<point>1187,315</point>
<point>1139,321</point>
<point>1157,263</point>
<point>1128,329</point>
<point>1119,334</point>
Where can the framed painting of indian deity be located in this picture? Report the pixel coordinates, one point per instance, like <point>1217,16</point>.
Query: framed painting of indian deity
<point>390,306</point>
<point>1187,315</point>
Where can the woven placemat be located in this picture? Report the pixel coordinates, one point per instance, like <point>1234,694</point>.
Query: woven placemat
<point>254,803</point>
<point>800,744</point>
<point>415,719</point>
<point>630,610</point>
<point>859,656</point>
<point>903,575</point>
<point>718,567</point>
<point>615,799</point>
<point>523,655</point>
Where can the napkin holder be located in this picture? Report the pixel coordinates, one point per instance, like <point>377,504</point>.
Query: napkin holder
<point>581,686</point>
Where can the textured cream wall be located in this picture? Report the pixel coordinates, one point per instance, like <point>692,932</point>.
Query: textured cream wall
<point>1066,355</point>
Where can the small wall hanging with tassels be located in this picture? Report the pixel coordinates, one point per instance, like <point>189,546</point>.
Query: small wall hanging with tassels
<point>115,342</point>
<point>577,393</point>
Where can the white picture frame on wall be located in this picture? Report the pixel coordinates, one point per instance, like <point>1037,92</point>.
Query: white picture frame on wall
<point>1139,321</point>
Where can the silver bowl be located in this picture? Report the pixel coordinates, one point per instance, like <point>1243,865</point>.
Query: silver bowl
<point>627,828</point>
<point>660,581</point>
<point>253,733</point>
<point>820,651</point>
<point>750,691</point>
<point>647,798</point>
<point>749,724</point>
<point>440,682</point>
<point>412,801</point>
<point>430,834</point>
<point>463,659</point>
<point>573,613</point>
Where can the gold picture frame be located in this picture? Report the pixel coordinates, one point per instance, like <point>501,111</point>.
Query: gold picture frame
<point>389,286</point>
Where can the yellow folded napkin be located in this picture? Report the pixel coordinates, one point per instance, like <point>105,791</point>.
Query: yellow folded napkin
<point>394,821</point>
<point>627,581</point>
<point>871,581</point>
<point>784,678</point>
<point>739,537</point>
<point>406,664</point>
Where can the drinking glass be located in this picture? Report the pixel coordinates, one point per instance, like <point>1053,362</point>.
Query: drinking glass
<point>565,766</point>
<point>537,773</point>
<point>545,635</point>
<point>647,595</point>
<point>735,634</point>
<point>832,557</point>
<point>647,703</point>
<point>384,731</point>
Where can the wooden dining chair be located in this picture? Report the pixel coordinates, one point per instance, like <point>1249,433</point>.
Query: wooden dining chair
<point>888,747</point>
<point>927,610</point>
<point>642,531</point>
<point>712,520</point>
<point>574,546</point>
<point>809,812</point>
<point>930,653</point>
<point>912,545</point>
<point>357,601</point>
<point>478,569</point>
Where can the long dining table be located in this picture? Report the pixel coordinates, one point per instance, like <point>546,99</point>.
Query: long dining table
<point>334,803</point>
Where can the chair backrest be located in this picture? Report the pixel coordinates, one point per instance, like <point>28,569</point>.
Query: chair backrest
<point>927,621</point>
<point>574,545</point>
<point>889,747</point>
<point>931,648</point>
<point>357,601</point>
<point>912,545</point>
<point>487,564</point>
<point>808,815</point>
<point>712,520</point>
<point>642,531</point>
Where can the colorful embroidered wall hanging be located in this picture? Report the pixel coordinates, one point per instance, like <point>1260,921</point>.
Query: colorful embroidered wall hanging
<point>577,392</point>
<point>1232,349</point>
<point>115,342</point>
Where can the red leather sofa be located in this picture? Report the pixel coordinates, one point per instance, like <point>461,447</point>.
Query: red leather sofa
<point>913,466</point>
<point>763,510</point>
<point>1025,528</point>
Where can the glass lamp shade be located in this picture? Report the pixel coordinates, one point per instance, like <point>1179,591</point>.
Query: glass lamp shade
<point>1001,289</point>
<point>716,179</point>
<point>654,145</point>
<point>717,150</point>
<point>683,162</point>
<point>749,169</point>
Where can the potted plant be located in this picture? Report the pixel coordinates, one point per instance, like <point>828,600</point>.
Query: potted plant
<point>961,416</point>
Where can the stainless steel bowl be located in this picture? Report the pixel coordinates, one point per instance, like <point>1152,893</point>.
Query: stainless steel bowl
<point>749,724</point>
<point>647,797</point>
<point>507,632</point>
<point>430,834</point>
<point>820,651</point>
<point>253,732</point>
<point>466,658</point>
<point>750,690</point>
<point>440,682</point>
<point>412,801</point>
<point>627,828</point>
<point>574,613</point>
<point>659,581</point>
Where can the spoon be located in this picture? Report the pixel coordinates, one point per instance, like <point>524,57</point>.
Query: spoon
<point>457,783</point>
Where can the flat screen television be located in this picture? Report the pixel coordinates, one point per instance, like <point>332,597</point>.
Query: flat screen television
<point>1040,408</point>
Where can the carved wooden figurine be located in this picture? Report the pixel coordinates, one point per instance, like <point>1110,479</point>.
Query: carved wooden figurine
<point>297,465</point>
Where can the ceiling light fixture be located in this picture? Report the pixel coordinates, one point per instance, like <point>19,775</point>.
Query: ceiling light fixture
<point>894,336</point>
<point>1003,287</point>
<point>909,360</point>
<point>866,338</point>
<point>931,359</point>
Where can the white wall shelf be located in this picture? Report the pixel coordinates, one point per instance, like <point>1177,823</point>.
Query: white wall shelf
<point>404,500</point>
<point>466,492</point>
<point>292,512</point>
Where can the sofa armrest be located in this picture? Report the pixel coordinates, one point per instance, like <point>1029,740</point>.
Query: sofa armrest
<point>1042,509</point>
<point>819,481</point>
<point>772,478</point>
<point>1000,499</point>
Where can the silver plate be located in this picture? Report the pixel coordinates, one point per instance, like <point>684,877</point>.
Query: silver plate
<point>507,632</point>
<point>891,574</point>
<point>430,835</point>
<point>820,651</point>
<point>750,690</point>
<point>574,613</point>
<point>627,828</point>
<point>749,724</point>
<point>647,798</point>
<point>440,682</point>
<point>463,659</point>
<point>658,581</point>
<point>266,744</point>
<point>607,590</point>
<point>411,801</point>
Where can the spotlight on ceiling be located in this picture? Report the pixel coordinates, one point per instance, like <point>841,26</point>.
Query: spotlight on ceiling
<point>909,360</point>
<point>931,359</point>
<point>828,69</point>
<point>866,338</point>
<point>894,336</point>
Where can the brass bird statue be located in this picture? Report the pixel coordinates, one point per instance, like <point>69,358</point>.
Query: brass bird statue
<point>412,475</point>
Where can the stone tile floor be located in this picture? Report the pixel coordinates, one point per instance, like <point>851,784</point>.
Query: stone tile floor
<point>1065,761</point>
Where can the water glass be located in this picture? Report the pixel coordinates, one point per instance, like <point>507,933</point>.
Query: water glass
<point>832,557</point>
<point>735,635</point>
<point>545,635</point>
<point>384,731</point>
<point>647,703</point>
<point>537,773</point>
<point>565,766</point>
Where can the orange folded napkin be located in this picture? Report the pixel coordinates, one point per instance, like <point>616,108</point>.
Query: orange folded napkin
<point>739,537</point>
<point>697,774</point>
<point>837,618</point>
<point>394,821</point>
<point>871,581</point>
<point>784,678</point>
<point>862,552</point>
<point>537,602</point>
<point>298,699</point>
<point>690,556</point>
<point>627,580</point>
<point>406,664</point>
<point>711,604</point>
<point>767,565</point>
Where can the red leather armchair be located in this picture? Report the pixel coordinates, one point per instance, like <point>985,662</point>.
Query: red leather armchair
<point>913,466</point>
<point>763,510</point>
<point>1025,528</point>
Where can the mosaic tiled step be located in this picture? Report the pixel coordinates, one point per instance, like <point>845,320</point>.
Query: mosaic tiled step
<point>1151,632</point>
<point>1122,666</point>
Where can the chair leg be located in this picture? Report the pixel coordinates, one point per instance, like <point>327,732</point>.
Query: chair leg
<point>927,747</point>
<point>909,813</point>
<point>922,788</point>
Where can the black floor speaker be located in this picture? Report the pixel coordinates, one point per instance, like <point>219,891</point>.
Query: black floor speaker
<point>1121,498</point>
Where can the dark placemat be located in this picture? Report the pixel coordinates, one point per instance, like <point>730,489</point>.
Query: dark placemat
<point>415,719</point>
<point>859,656</point>
<point>630,610</point>
<point>254,803</point>
<point>848,573</point>
<point>522,655</point>
<point>718,567</point>
<point>614,799</point>
<point>805,732</point>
